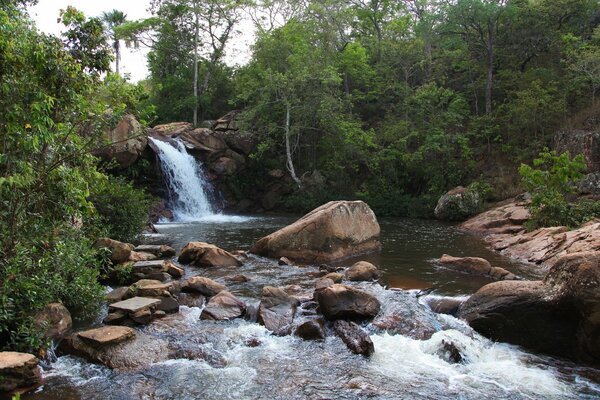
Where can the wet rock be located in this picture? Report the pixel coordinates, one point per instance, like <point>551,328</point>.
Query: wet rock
<point>251,313</point>
<point>168,305</point>
<point>191,299</point>
<point>362,271</point>
<point>252,342</point>
<point>157,270</point>
<point>118,252</point>
<point>311,330</point>
<point>590,184</point>
<point>174,270</point>
<point>117,294</point>
<point>329,268</point>
<point>141,256</point>
<point>19,372</point>
<point>285,261</point>
<point>450,353</point>
<point>115,318</point>
<point>204,286</point>
<point>476,266</point>
<point>159,314</point>
<point>54,320</point>
<point>444,305</point>
<point>334,231</point>
<point>159,250</point>
<point>580,141</point>
<point>335,277</point>
<point>238,278</point>
<point>277,310</point>
<point>207,255</point>
<point>458,204</point>
<point>138,309</point>
<point>107,335</point>
<point>354,337</point>
<point>142,317</point>
<point>151,288</point>
<point>344,302</point>
<point>223,306</point>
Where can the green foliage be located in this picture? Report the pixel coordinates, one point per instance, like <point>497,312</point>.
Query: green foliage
<point>551,179</point>
<point>121,209</point>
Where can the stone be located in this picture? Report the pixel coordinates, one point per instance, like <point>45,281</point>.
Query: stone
<point>362,271</point>
<point>344,302</point>
<point>118,252</point>
<point>159,314</point>
<point>458,204</point>
<point>224,166</point>
<point>19,372</point>
<point>475,266</point>
<point>449,353</point>
<point>311,330</point>
<point>150,288</point>
<point>115,318</point>
<point>238,278</point>
<point>204,286</point>
<point>223,306</point>
<point>142,317</point>
<point>134,304</point>
<point>174,270</point>
<point>580,141</point>
<point>141,256</point>
<point>285,261</point>
<point>354,337</point>
<point>323,283</point>
<point>444,305</point>
<point>276,310</point>
<point>336,277</point>
<point>270,200</point>
<point>117,294</point>
<point>125,143</point>
<point>159,250</point>
<point>54,320</point>
<point>202,142</point>
<point>207,255</point>
<point>149,267</point>
<point>172,129</point>
<point>107,335</point>
<point>167,305</point>
<point>505,218</point>
<point>191,299</point>
<point>334,231</point>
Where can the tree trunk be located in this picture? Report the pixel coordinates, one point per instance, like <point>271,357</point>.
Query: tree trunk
<point>117,55</point>
<point>489,81</point>
<point>288,150</point>
<point>196,36</point>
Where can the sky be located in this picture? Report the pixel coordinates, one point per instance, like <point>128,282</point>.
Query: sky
<point>133,61</point>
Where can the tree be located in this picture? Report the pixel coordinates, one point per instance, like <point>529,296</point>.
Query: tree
<point>113,19</point>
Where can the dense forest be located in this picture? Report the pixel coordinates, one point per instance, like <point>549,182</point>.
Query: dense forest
<point>391,102</point>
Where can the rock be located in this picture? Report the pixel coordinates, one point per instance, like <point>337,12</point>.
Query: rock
<point>334,231</point>
<point>142,317</point>
<point>224,166</point>
<point>19,372</point>
<point>323,283</point>
<point>174,270</point>
<point>118,252</point>
<point>311,330</point>
<point>159,314</point>
<point>135,304</point>
<point>141,256</point>
<point>204,286</point>
<point>444,305</point>
<point>107,335</point>
<point>115,318</point>
<point>126,142</point>
<point>270,200</point>
<point>117,294</point>
<point>505,218</point>
<point>475,266</point>
<point>238,278</point>
<point>227,122</point>
<point>151,288</point>
<point>223,306</point>
<point>203,143</point>
<point>276,173</point>
<point>285,261</point>
<point>450,353</point>
<point>167,305</point>
<point>344,302</point>
<point>207,255</point>
<point>191,299</point>
<point>55,321</point>
<point>173,129</point>
<point>277,310</point>
<point>458,204</point>
<point>162,250</point>
<point>354,337</point>
<point>336,277</point>
<point>362,271</point>
<point>590,184</point>
<point>578,141</point>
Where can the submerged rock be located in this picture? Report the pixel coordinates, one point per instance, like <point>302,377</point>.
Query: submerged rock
<point>223,306</point>
<point>334,231</point>
<point>19,372</point>
<point>207,255</point>
<point>344,302</point>
<point>476,266</point>
<point>311,330</point>
<point>277,310</point>
<point>357,340</point>
<point>362,271</point>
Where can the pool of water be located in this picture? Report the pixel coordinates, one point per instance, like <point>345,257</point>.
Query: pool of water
<point>273,367</point>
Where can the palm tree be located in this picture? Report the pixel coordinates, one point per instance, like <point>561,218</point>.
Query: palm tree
<point>112,19</point>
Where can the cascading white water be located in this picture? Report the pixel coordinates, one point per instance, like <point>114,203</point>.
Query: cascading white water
<point>188,187</point>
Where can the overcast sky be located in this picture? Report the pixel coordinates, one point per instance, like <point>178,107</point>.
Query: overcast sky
<point>133,62</point>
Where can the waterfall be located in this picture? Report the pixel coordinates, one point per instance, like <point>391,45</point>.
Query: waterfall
<point>189,190</point>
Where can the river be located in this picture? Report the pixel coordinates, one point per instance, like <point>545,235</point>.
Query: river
<point>243,361</point>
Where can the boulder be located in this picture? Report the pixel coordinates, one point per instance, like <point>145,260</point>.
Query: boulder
<point>125,143</point>
<point>334,231</point>
<point>354,337</point>
<point>475,266</point>
<point>159,250</point>
<point>118,252</point>
<point>362,271</point>
<point>54,320</point>
<point>161,270</point>
<point>311,330</point>
<point>151,288</point>
<point>224,166</point>
<point>173,129</point>
<point>336,277</point>
<point>580,141</point>
<point>141,256</point>
<point>277,310</point>
<point>505,218</point>
<point>117,294</point>
<point>204,286</point>
<point>19,372</point>
<point>344,302</point>
<point>207,255</point>
<point>203,142</point>
<point>223,306</point>
<point>458,204</point>
<point>168,305</point>
<point>590,184</point>
<point>106,335</point>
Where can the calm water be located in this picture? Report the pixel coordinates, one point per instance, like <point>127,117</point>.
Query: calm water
<point>289,368</point>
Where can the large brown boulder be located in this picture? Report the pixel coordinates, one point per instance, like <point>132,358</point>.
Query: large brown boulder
<point>223,306</point>
<point>118,252</point>
<point>334,231</point>
<point>207,255</point>
<point>205,286</point>
<point>558,315</point>
<point>55,320</point>
<point>277,310</point>
<point>19,372</point>
<point>125,143</point>
<point>458,204</point>
<point>345,302</point>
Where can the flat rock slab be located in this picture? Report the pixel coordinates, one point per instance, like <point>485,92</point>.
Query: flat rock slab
<point>107,335</point>
<point>12,359</point>
<point>134,304</point>
<point>155,265</point>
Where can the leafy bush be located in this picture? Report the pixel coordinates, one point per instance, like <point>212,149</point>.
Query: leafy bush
<point>551,179</point>
<point>122,210</point>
